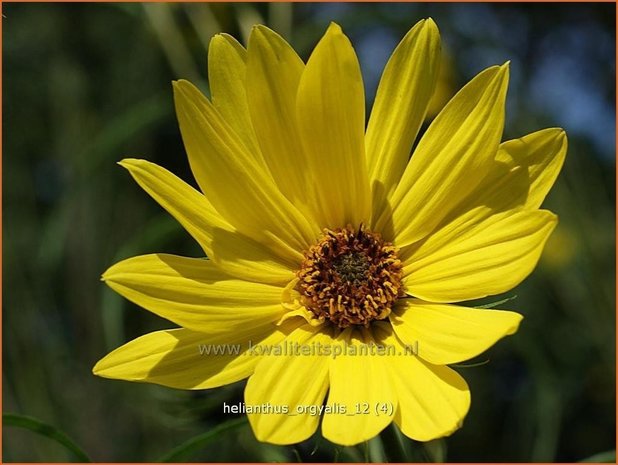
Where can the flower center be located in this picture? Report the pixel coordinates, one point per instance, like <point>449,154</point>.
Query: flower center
<point>350,277</point>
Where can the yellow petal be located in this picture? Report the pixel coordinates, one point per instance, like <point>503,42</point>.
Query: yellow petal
<point>446,334</point>
<point>541,154</point>
<point>235,183</point>
<point>194,294</point>
<point>452,157</point>
<point>233,252</point>
<point>433,400</point>
<point>227,73</point>
<point>522,174</point>
<point>246,259</point>
<point>179,358</point>
<point>357,382</point>
<point>275,70</point>
<point>331,118</point>
<point>403,95</point>
<point>491,257</point>
<point>289,380</point>
<point>190,208</point>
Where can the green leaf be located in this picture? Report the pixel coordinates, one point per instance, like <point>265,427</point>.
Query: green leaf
<point>376,451</point>
<point>609,456</point>
<point>51,432</point>
<point>297,455</point>
<point>436,450</point>
<point>499,302</point>
<point>337,453</point>
<point>470,365</point>
<point>197,442</point>
<point>398,447</point>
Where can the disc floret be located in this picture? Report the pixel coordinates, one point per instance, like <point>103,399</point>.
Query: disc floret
<point>350,277</point>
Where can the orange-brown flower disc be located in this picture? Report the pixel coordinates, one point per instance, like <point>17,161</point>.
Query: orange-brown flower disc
<point>350,277</point>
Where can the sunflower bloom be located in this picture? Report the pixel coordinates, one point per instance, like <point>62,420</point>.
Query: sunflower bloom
<point>322,233</point>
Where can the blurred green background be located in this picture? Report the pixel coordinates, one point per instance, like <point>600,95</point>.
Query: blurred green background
<point>85,85</point>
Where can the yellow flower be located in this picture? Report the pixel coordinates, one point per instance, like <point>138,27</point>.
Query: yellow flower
<point>324,238</point>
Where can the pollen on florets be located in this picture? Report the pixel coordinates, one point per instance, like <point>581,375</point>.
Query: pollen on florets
<point>350,277</point>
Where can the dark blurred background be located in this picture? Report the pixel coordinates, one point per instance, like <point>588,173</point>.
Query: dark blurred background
<point>85,85</point>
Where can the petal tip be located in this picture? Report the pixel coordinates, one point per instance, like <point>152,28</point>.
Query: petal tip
<point>107,274</point>
<point>553,218</point>
<point>517,319</point>
<point>260,33</point>
<point>430,24</point>
<point>558,136</point>
<point>334,28</point>
<point>128,162</point>
<point>181,85</point>
<point>215,40</point>
<point>505,69</point>
<point>502,74</point>
<point>97,370</point>
<point>255,30</point>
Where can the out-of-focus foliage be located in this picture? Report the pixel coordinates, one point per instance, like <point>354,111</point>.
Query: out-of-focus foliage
<point>88,84</point>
